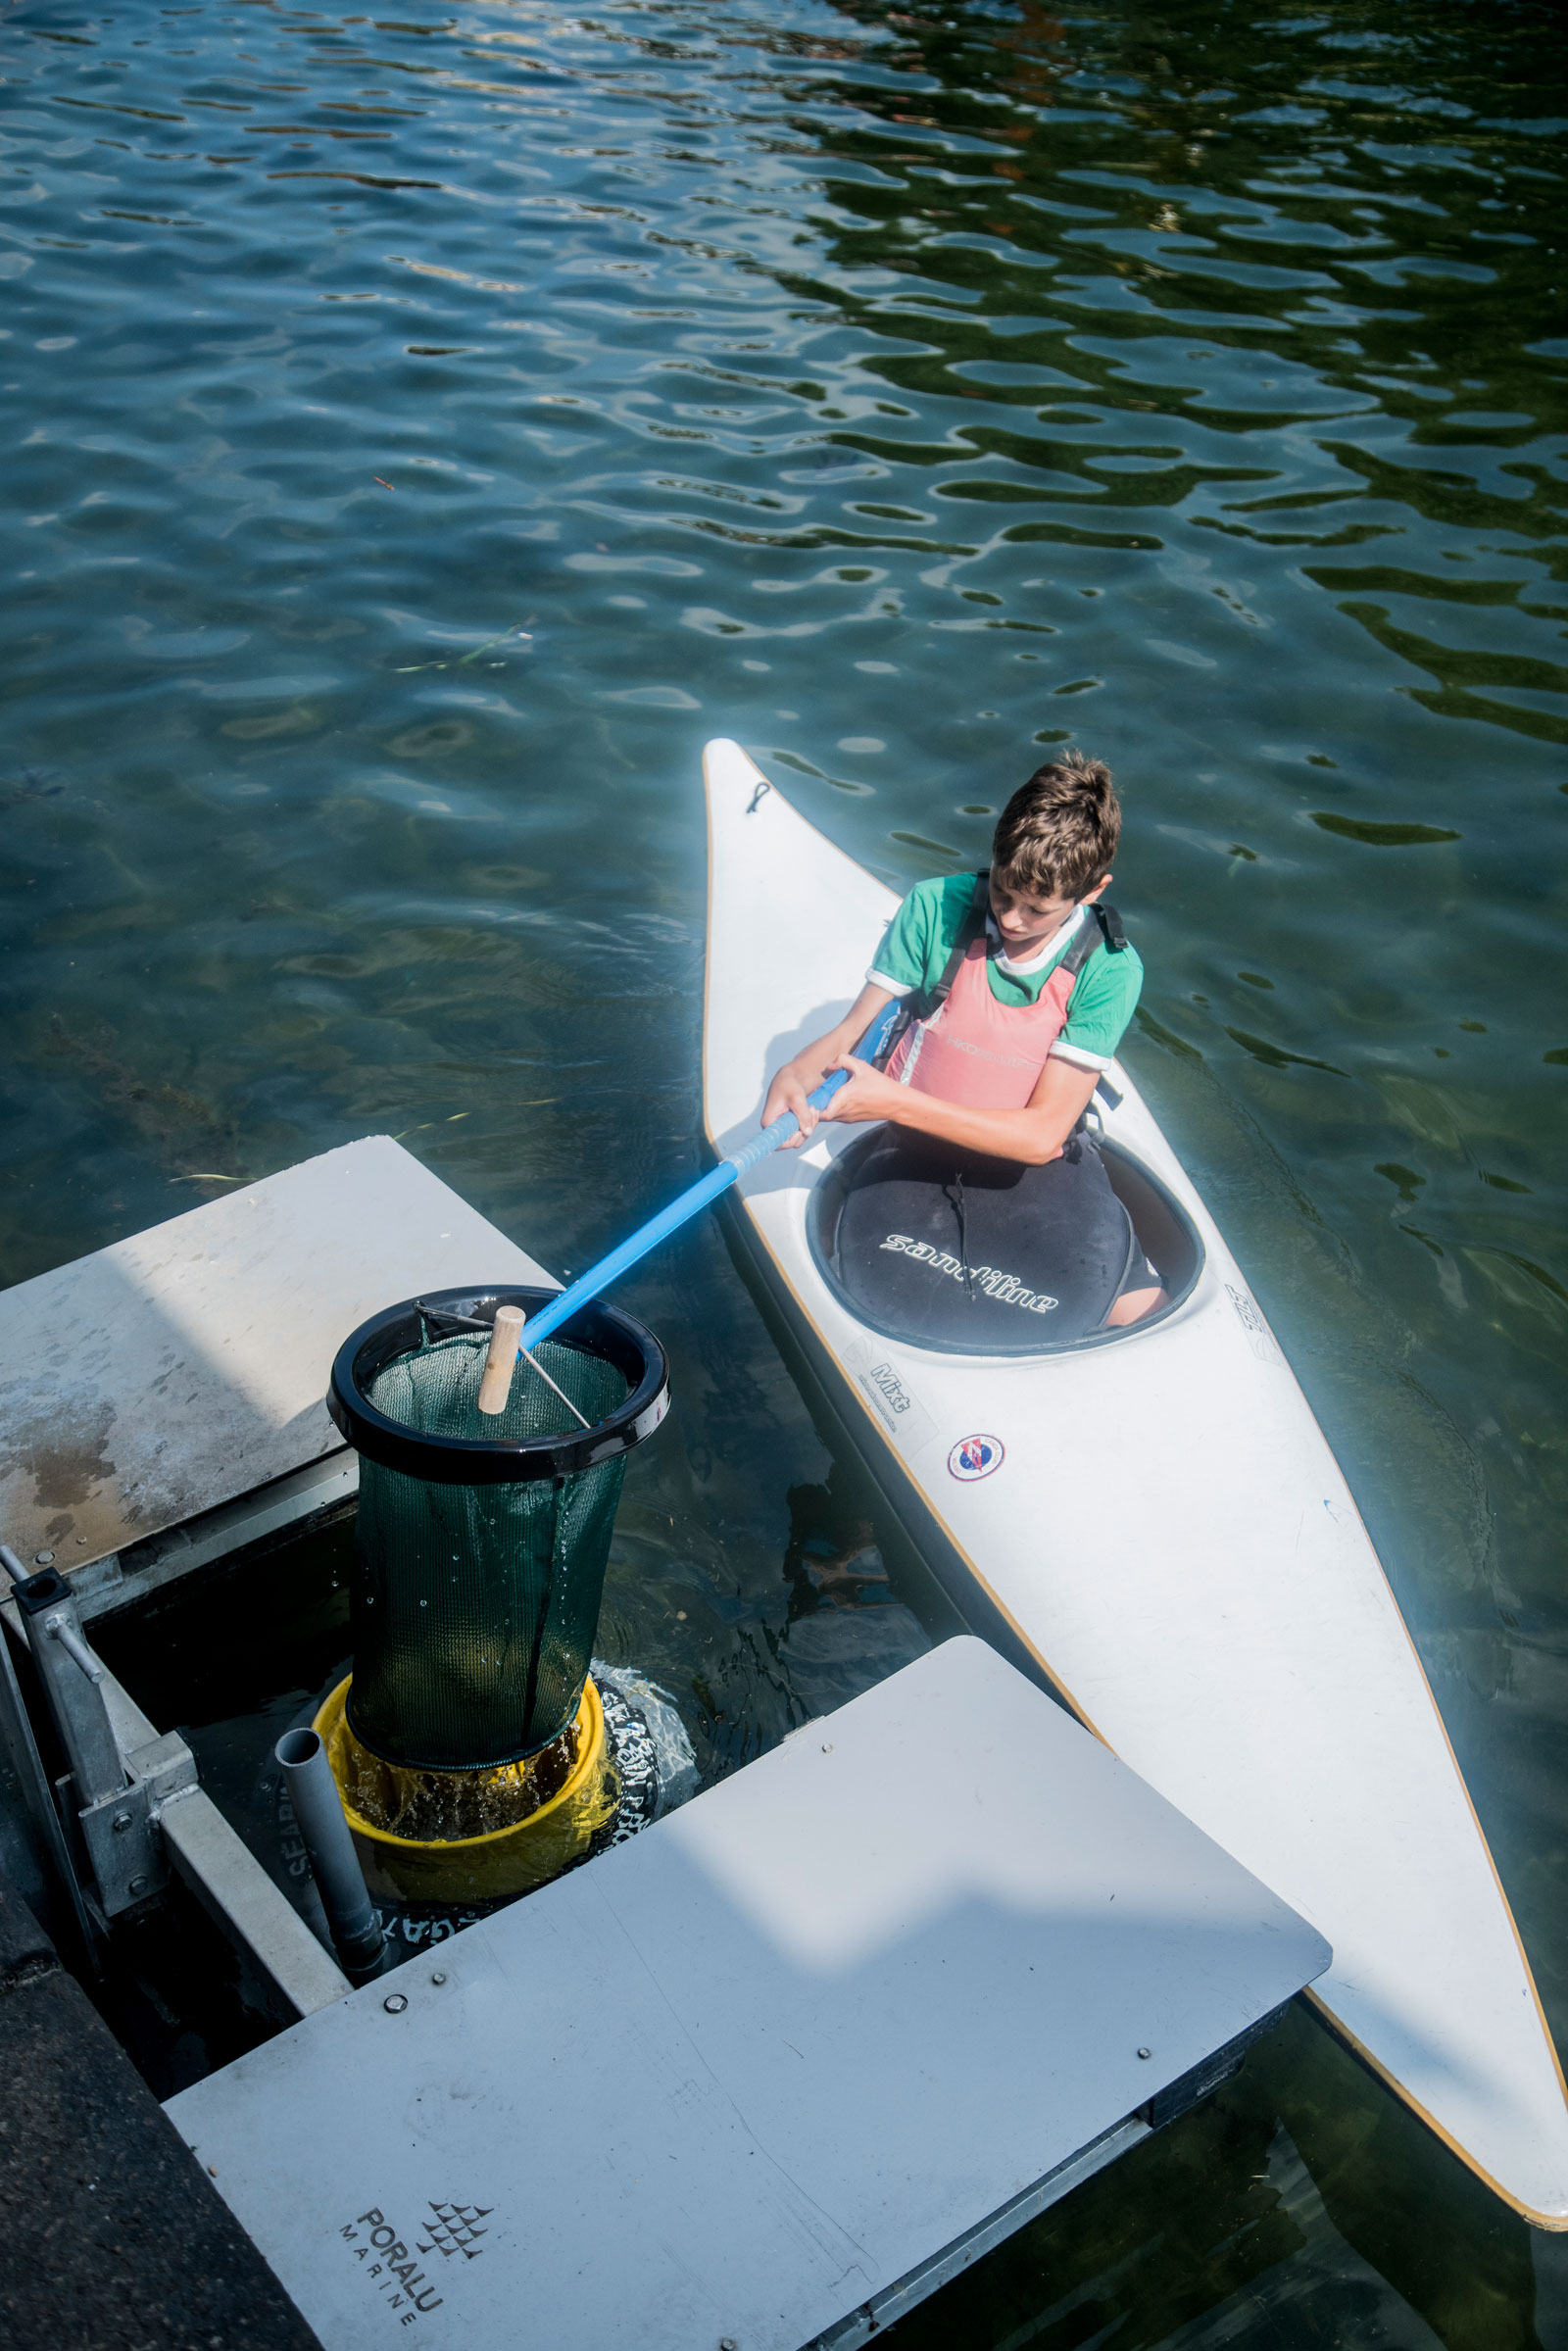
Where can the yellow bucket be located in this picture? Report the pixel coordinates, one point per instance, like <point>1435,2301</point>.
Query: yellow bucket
<point>511,1860</point>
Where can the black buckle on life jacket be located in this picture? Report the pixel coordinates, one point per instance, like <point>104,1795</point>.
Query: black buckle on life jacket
<point>1110,922</point>
<point>1104,931</point>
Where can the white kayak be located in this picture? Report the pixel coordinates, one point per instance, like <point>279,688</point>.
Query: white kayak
<point>1155,1525</point>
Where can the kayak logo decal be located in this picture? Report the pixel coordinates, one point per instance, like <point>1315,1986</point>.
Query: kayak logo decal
<point>1260,1337</point>
<point>883,1378</point>
<point>975,1458</point>
<point>1005,1288</point>
<point>899,1411</point>
<point>397,2274</point>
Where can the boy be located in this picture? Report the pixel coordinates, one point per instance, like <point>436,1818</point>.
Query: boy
<point>984,1205</point>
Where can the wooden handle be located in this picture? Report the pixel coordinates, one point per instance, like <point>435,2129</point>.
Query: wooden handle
<point>501,1362</point>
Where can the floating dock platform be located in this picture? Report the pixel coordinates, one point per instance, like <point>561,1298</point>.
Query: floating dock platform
<point>762,2077</point>
<point>777,2068</point>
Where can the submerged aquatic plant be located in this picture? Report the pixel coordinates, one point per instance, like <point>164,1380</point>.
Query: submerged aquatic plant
<point>518,629</point>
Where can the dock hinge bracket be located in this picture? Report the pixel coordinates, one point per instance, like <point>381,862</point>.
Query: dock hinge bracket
<point>110,1800</point>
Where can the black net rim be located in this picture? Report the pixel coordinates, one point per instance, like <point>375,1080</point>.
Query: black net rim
<point>597,1329</point>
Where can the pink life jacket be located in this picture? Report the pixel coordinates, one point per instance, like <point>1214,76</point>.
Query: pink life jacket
<point>985,1054</point>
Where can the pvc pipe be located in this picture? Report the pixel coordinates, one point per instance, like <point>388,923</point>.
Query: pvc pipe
<point>354,1925</point>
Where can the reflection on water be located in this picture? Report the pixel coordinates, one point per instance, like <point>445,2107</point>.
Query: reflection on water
<point>426,431</point>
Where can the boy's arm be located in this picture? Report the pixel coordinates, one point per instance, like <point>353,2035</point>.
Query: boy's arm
<point>1034,1134</point>
<point>802,1076</point>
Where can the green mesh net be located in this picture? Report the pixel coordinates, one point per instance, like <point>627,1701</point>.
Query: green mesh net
<point>475,1607</point>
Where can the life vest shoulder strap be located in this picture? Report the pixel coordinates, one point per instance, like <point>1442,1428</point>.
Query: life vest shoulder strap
<point>1104,930</point>
<point>923,1002</point>
<point>974,923</point>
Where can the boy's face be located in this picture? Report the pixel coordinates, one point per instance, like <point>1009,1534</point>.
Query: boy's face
<point>1026,920</point>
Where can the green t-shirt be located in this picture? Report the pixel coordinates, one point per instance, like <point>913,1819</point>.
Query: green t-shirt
<point>924,931</point>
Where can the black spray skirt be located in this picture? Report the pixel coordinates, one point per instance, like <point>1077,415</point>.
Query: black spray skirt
<point>951,1248</point>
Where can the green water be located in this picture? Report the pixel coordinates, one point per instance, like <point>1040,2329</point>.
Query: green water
<point>898,393</point>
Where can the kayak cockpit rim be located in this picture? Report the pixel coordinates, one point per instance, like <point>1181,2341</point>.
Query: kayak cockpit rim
<point>1165,1232</point>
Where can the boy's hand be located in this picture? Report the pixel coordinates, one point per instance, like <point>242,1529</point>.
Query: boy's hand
<point>802,1075</point>
<point>868,1094</point>
<point>788,1092</point>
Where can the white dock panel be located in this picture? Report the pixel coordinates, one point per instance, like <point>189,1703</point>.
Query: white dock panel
<point>747,2070</point>
<point>186,1366</point>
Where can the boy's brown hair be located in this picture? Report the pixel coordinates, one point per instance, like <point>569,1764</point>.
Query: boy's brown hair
<point>1058,832</point>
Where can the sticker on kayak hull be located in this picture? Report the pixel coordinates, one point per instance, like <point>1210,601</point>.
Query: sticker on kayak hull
<point>1260,1337</point>
<point>890,1396</point>
<point>975,1458</point>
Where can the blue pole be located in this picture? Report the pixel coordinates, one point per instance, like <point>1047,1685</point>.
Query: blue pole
<point>690,1201</point>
